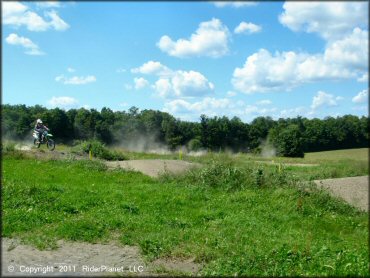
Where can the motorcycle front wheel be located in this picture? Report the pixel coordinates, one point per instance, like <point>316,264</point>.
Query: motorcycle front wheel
<point>36,144</point>
<point>51,144</point>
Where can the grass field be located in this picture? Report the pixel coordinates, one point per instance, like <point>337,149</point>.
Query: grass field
<point>233,216</point>
<point>352,154</point>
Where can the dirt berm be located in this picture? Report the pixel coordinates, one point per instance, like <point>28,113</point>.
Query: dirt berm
<point>353,190</point>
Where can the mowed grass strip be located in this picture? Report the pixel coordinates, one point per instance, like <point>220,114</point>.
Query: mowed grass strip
<point>361,154</point>
<point>272,230</point>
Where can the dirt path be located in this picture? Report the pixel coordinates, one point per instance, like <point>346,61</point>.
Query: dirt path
<point>153,167</point>
<point>84,259</point>
<point>353,190</point>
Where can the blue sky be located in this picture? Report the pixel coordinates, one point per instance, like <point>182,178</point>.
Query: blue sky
<point>244,59</point>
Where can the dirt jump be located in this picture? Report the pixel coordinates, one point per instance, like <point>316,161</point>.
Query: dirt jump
<point>153,167</point>
<point>354,191</point>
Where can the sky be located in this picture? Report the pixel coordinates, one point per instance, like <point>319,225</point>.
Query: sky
<point>243,59</point>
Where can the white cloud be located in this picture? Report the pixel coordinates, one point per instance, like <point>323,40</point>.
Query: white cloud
<point>265,72</point>
<point>247,28</point>
<point>264,102</point>
<point>211,106</point>
<point>191,83</point>
<point>345,55</point>
<point>323,99</point>
<point>75,80</point>
<point>234,4</point>
<point>16,14</point>
<point>331,20</point>
<point>48,4</point>
<point>294,112</point>
<point>351,51</point>
<point>123,104</point>
<point>31,20</point>
<point>63,102</point>
<point>254,110</point>
<point>71,70</point>
<point>361,97</point>
<point>128,87</point>
<point>210,39</point>
<point>56,22</point>
<point>231,94</point>
<point>17,40</point>
<point>163,87</point>
<point>176,83</point>
<point>153,67</point>
<point>208,106</point>
<point>121,70</point>
<point>362,108</point>
<point>140,83</point>
<point>12,8</point>
<point>363,78</point>
<point>184,84</point>
<point>31,47</point>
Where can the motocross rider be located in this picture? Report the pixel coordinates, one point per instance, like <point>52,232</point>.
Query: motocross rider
<point>40,128</point>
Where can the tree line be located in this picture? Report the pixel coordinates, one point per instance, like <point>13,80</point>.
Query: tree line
<point>290,137</point>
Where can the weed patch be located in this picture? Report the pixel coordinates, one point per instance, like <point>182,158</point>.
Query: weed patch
<point>98,150</point>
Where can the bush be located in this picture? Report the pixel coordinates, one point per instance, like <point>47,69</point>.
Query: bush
<point>194,145</point>
<point>287,140</point>
<point>218,175</point>
<point>226,175</point>
<point>8,147</point>
<point>222,175</point>
<point>98,149</point>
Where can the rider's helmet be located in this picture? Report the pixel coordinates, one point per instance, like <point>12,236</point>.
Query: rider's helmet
<point>38,121</point>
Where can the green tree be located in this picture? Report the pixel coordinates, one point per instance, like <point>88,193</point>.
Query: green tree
<point>287,140</point>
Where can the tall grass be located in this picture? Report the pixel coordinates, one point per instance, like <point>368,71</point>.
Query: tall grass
<point>97,149</point>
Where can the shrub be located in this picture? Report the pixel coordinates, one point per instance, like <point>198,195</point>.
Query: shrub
<point>287,140</point>
<point>219,175</point>
<point>258,177</point>
<point>8,147</point>
<point>194,145</point>
<point>226,175</point>
<point>98,149</point>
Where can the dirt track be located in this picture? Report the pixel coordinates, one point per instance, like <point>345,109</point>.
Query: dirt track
<point>353,190</point>
<point>153,167</point>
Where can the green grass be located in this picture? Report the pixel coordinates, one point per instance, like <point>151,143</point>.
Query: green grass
<point>252,227</point>
<point>349,154</point>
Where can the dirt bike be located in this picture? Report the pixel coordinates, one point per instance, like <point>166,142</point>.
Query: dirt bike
<point>45,139</point>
